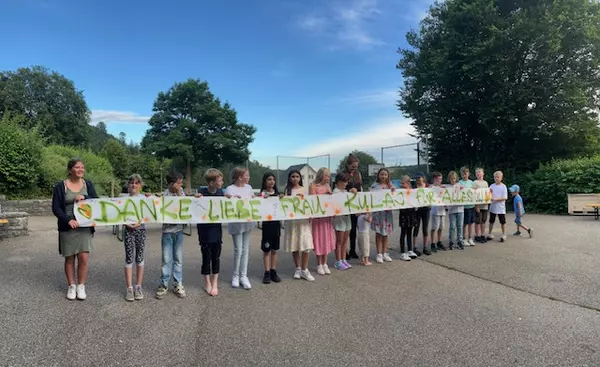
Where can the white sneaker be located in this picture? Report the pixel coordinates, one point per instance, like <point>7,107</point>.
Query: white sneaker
<point>404,256</point>
<point>72,292</point>
<point>379,258</point>
<point>386,257</point>
<point>471,243</point>
<point>326,269</point>
<point>503,238</point>
<point>320,270</point>
<point>81,292</point>
<point>245,282</point>
<point>297,273</point>
<point>305,274</point>
<point>412,254</point>
<point>490,236</point>
<point>235,282</point>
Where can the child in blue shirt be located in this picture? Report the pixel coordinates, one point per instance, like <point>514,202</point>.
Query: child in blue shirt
<point>519,211</point>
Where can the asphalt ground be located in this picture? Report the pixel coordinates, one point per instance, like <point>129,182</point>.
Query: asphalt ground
<point>525,302</point>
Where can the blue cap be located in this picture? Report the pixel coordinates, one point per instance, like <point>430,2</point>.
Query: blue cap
<point>515,188</point>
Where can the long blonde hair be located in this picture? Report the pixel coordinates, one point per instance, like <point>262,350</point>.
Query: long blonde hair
<point>321,176</point>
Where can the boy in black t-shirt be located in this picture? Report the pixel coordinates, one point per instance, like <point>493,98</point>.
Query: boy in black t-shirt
<point>210,236</point>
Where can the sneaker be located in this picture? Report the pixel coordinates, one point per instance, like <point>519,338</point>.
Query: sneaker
<point>348,266</point>
<point>81,292</point>
<point>274,277</point>
<point>129,295</point>
<point>404,256</point>
<point>530,231</point>
<point>245,282</point>
<point>320,270</point>
<point>427,251</point>
<point>326,269</point>
<point>484,239</point>
<point>417,252</point>
<point>412,254</point>
<point>490,237</point>
<point>161,291</point>
<point>72,292</point>
<point>137,293</point>
<point>297,273</point>
<point>338,265</point>
<point>517,233</point>
<point>267,277</point>
<point>387,258</point>
<point>471,243</point>
<point>503,238</point>
<point>179,290</point>
<point>440,246</point>
<point>450,245</point>
<point>306,275</point>
<point>379,258</point>
<point>235,281</point>
<point>461,245</point>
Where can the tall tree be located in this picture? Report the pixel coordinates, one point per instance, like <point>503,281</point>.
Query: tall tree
<point>49,102</point>
<point>505,84</point>
<point>364,159</point>
<point>191,123</point>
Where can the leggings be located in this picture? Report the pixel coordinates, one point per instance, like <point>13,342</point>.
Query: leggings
<point>211,253</point>
<point>406,238</point>
<point>135,241</point>
<point>423,215</point>
<point>354,222</point>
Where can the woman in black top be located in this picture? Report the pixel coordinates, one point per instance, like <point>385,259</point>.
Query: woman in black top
<point>355,184</point>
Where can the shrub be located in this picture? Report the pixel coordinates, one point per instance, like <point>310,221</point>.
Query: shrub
<point>547,188</point>
<point>19,158</point>
<point>54,167</point>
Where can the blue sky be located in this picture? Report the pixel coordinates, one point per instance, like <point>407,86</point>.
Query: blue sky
<point>314,77</point>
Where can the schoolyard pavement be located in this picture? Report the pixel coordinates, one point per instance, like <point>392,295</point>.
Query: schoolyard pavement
<point>526,302</point>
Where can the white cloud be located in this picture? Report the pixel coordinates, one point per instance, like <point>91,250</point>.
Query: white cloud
<point>108,116</point>
<point>373,136</point>
<point>346,25</point>
<point>377,98</point>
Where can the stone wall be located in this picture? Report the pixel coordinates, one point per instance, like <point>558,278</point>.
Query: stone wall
<point>36,208</point>
<point>18,225</point>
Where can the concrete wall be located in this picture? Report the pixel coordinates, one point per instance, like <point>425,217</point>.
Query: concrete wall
<point>18,225</point>
<point>36,208</point>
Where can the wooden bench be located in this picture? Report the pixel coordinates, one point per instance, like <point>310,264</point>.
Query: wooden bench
<point>3,221</point>
<point>583,204</point>
<point>596,208</point>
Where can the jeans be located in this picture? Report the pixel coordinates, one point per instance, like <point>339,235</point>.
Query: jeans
<point>456,225</point>
<point>172,258</point>
<point>241,244</point>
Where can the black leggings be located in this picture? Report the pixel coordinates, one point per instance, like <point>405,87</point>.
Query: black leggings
<point>211,253</point>
<point>354,222</point>
<point>423,215</point>
<point>406,239</point>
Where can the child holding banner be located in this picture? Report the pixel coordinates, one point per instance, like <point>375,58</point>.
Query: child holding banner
<point>297,237</point>
<point>134,240</point>
<point>271,232</point>
<point>172,245</point>
<point>438,217</point>
<point>481,210</point>
<point>322,228</point>
<point>456,216</point>
<point>382,222</point>
<point>408,221</point>
<point>469,212</point>
<point>342,225</point>
<point>498,207</point>
<point>210,235</point>
<point>240,232</point>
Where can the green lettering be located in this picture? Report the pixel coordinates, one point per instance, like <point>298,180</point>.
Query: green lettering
<point>285,202</point>
<point>446,197</point>
<point>350,202</point>
<point>184,208</point>
<point>242,212</point>
<point>296,206</point>
<point>228,210</point>
<point>151,209</point>
<point>254,205</point>
<point>212,217</point>
<point>129,212</point>
<point>104,213</point>
<point>163,210</point>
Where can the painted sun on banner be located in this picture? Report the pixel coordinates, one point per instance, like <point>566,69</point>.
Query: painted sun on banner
<point>182,209</point>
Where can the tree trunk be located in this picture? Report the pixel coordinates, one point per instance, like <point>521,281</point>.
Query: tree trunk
<point>188,177</point>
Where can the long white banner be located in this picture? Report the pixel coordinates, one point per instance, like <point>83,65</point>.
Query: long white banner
<point>182,209</point>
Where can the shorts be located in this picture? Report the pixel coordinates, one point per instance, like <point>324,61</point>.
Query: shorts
<point>342,223</point>
<point>470,216</point>
<point>519,221</point>
<point>481,217</point>
<point>271,236</point>
<point>437,222</point>
<point>502,218</point>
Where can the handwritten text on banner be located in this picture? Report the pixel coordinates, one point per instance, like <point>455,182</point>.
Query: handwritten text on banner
<point>170,209</point>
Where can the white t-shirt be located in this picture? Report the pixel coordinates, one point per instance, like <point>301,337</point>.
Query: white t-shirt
<point>498,192</point>
<point>243,192</point>
<point>362,225</point>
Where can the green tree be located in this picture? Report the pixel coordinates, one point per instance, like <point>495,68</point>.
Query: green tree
<point>189,122</point>
<point>116,153</point>
<point>49,102</point>
<point>19,157</point>
<point>504,84</point>
<point>364,159</point>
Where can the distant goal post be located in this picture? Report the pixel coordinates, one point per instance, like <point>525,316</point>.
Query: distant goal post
<point>373,169</point>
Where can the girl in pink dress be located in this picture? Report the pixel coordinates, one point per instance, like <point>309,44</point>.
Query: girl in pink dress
<point>322,228</point>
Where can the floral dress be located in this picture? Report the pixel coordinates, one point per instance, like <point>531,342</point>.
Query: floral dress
<point>383,220</point>
<point>298,233</point>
